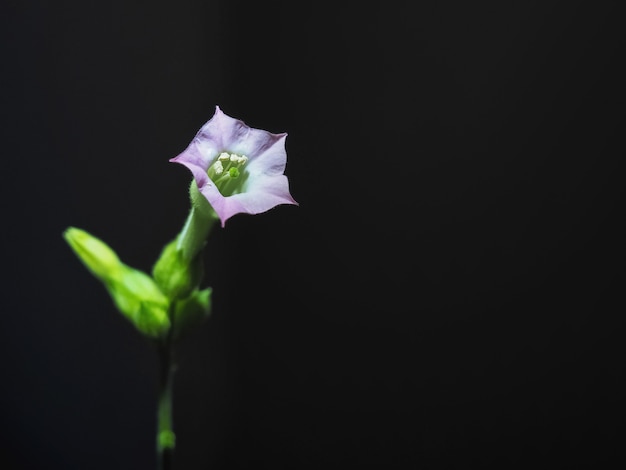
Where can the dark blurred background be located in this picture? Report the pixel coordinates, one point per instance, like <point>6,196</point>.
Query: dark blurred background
<point>447,295</point>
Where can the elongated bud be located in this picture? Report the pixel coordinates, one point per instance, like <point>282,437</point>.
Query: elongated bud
<point>140,300</point>
<point>94,254</point>
<point>176,276</point>
<point>134,293</point>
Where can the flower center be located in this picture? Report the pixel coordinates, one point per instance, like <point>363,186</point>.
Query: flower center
<point>227,173</point>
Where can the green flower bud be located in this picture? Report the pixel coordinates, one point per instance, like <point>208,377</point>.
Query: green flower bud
<point>95,254</point>
<point>174,274</point>
<point>192,311</point>
<point>140,300</point>
<point>134,293</point>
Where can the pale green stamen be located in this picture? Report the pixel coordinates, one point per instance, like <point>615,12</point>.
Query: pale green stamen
<point>226,169</point>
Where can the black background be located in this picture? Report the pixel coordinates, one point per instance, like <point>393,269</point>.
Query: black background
<point>447,295</point>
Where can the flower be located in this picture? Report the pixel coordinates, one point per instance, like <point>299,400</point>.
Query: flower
<point>237,169</point>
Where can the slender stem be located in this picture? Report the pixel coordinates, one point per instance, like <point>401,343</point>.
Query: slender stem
<point>190,242</point>
<point>166,439</point>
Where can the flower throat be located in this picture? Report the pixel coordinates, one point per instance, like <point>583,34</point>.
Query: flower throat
<point>226,173</point>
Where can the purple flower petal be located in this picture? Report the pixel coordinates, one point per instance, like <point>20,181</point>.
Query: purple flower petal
<point>258,183</point>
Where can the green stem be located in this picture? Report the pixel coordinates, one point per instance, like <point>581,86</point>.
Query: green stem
<point>190,241</point>
<point>166,439</point>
